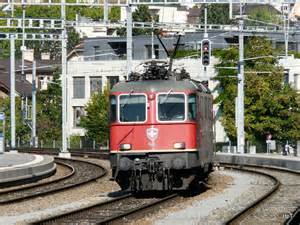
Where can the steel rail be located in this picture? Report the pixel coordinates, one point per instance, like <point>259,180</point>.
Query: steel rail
<point>246,211</point>
<point>104,219</point>
<point>241,214</point>
<point>55,186</point>
<point>66,218</point>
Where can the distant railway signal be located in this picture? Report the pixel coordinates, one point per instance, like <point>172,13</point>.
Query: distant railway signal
<point>205,52</point>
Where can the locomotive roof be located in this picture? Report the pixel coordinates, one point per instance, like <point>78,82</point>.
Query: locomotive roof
<point>158,85</point>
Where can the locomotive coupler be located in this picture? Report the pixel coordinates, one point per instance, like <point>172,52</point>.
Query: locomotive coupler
<point>150,174</point>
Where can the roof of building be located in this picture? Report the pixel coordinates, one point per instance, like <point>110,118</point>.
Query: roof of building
<point>23,87</point>
<point>77,50</point>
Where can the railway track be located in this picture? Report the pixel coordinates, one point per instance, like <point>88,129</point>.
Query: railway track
<point>81,172</point>
<point>108,211</point>
<point>277,205</point>
<point>113,211</point>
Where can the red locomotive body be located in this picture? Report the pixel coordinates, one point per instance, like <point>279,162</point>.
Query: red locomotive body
<point>161,134</point>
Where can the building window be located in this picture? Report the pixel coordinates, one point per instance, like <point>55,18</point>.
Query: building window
<point>296,82</point>
<point>97,52</point>
<point>78,87</point>
<point>149,51</point>
<point>95,85</point>
<point>119,48</point>
<point>78,113</point>
<point>113,80</point>
<point>286,80</point>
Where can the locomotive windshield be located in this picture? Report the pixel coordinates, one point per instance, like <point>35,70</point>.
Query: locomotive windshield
<point>132,108</point>
<point>171,107</point>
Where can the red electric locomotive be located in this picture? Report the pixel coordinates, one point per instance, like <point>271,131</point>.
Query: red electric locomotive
<point>161,131</point>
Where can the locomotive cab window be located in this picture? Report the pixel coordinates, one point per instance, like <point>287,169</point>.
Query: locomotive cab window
<point>113,108</point>
<point>192,107</point>
<point>171,107</point>
<point>132,108</point>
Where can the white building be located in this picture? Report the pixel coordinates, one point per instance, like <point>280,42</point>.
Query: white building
<point>86,77</point>
<point>292,71</point>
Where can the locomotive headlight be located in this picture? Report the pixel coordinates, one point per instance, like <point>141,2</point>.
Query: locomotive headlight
<point>125,146</point>
<point>179,145</point>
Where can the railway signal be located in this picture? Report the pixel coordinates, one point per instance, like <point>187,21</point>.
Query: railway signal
<point>205,52</point>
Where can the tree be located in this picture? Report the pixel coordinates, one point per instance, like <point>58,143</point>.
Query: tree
<point>96,120</point>
<point>216,14</point>
<point>49,108</point>
<point>22,130</point>
<point>265,14</point>
<point>270,105</point>
<point>141,14</point>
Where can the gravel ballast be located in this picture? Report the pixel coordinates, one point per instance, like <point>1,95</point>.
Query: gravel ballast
<point>230,191</point>
<point>217,209</point>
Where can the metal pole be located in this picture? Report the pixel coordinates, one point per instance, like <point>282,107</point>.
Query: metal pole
<point>205,34</point>
<point>240,113</point>
<point>230,9</point>
<point>152,42</point>
<point>129,39</point>
<point>286,33</point>
<point>205,22</point>
<point>64,149</point>
<point>12,9</point>
<point>23,48</point>
<point>2,133</point>
<point>105,11</point>
<point>12,93</point>
<point>34,105</point>
<point>26,108</point>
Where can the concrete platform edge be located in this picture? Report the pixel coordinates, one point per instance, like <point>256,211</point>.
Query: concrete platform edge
<point>260,161</point>
<point>28,173</point>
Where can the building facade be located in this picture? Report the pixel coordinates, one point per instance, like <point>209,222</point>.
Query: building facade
<point>102,61</point>
<point>99,61</point>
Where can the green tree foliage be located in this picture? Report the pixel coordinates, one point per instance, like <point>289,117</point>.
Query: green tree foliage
<point>265,14</point>
<point>216,14</point>
<point>96,120</point>
<point>270,105</point>
<point>49,108</point>
<point>22,130</point>
<point>141,14</point>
